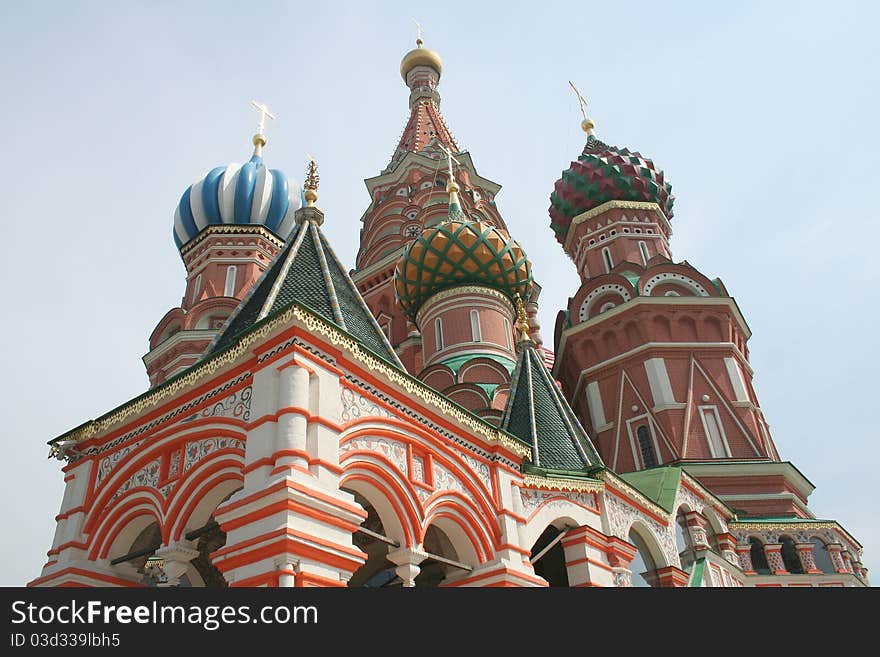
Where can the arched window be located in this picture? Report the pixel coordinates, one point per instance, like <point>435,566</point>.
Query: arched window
<point>790,557</point>
<point>476,333</point>
<point>643,249</point>
<point>821,557</point>
<point>759,558</point>
<point>438,333</point>
<point>646,449</point>
<point>609,264</point>
<point>197,287</point>
<point>643,568</point>
<point>714,435</point>
<point>229,289</point>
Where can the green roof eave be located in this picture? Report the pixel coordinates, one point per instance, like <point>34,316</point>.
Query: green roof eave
<point>659,484</point>
<point>551,473</point>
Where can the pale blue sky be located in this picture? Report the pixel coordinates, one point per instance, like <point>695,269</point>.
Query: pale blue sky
<point>763,115</point>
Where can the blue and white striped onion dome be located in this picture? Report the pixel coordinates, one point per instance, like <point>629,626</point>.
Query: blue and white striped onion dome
<point>249,193</point>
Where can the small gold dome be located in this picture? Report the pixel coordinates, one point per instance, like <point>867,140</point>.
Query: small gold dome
<point>420,57</point>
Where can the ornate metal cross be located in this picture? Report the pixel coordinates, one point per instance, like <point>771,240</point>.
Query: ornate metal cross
<point>264,112</point>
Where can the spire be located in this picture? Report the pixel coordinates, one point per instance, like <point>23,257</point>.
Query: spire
<point>310,212</point>
<point>421,69</point>
<point>587,125</point>
<point>312,180</point>
<point>260,137</point>
<point>455,212</point>
<point>522,322</point>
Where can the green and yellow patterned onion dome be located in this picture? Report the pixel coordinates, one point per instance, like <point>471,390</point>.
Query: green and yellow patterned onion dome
<point>606,173</point>
<point>460,252</point>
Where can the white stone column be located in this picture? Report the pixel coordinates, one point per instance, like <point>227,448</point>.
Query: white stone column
<point>407,561</point>
<point>293,394</point>
<point>177,557</point>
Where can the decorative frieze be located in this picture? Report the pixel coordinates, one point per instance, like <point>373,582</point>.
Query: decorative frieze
<point>200,449</point>
<point>393,450</point>
<point>355,406</point>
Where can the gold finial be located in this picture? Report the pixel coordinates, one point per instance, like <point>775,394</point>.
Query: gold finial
<point>419,41</point>
<point>522,319</point>
<point>587,124</point>
<point>312,180</point>
<point>260,137</point>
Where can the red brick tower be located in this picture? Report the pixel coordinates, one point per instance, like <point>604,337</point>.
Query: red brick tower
<point>409,195</point>
<point>653,354</point>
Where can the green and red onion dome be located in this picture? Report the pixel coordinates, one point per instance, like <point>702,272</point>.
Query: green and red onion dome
<point>606,173</point>
<point>460,252</point>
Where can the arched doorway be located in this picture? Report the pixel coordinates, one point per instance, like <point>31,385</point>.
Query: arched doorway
<point>550,563</point>
<point>378,571</point>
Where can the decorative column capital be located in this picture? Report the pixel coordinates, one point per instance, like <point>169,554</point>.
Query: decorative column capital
<point>176,557</point>
<point>407,560</point>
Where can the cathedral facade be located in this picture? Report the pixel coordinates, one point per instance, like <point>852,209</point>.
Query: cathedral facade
<point>405,423</point>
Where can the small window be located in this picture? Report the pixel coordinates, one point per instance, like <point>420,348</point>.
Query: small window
<point>197,287</point>
<point>609,264</point>
<point>649,458</point>
<point>643,249</point>
<point>438,333</point>
<point>229,289</point>
<point>713,433</point>
<point>476,333</point>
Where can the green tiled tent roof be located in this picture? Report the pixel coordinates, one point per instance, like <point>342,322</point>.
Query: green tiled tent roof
<point>538,414</point>
<point>307,272</point>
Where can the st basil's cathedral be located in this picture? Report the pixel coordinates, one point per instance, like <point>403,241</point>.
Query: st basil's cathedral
<point>407,423</point>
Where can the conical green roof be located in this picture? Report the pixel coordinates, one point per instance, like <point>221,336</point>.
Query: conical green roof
<point>538,414</point>
<point>307,272</point>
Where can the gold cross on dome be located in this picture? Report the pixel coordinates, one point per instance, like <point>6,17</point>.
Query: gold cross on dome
<point>587,124</point>
<point>418,32</point>
<point>449,160</point>
<point>264,112</point>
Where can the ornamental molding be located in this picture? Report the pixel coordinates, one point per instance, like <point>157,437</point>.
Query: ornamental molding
<point>184,408</point>
<point>198,450</point>
<point>615,205</point>
<point>608,288</point>
<point>147,476</point>
<point>225,229</point>
<point>355,406</point>
<point>675,277</point>
<point>518,448</point>
<point>315,325</point>
<point>622,516</point>
<point>533,499</point>
<point>393,450</point>
<point>562,484</point>
<point>237,405</point>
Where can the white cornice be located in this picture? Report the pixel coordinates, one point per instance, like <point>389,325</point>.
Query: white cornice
<point>616,205</point>
<point>173,340</point>
<point>756,468</point>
